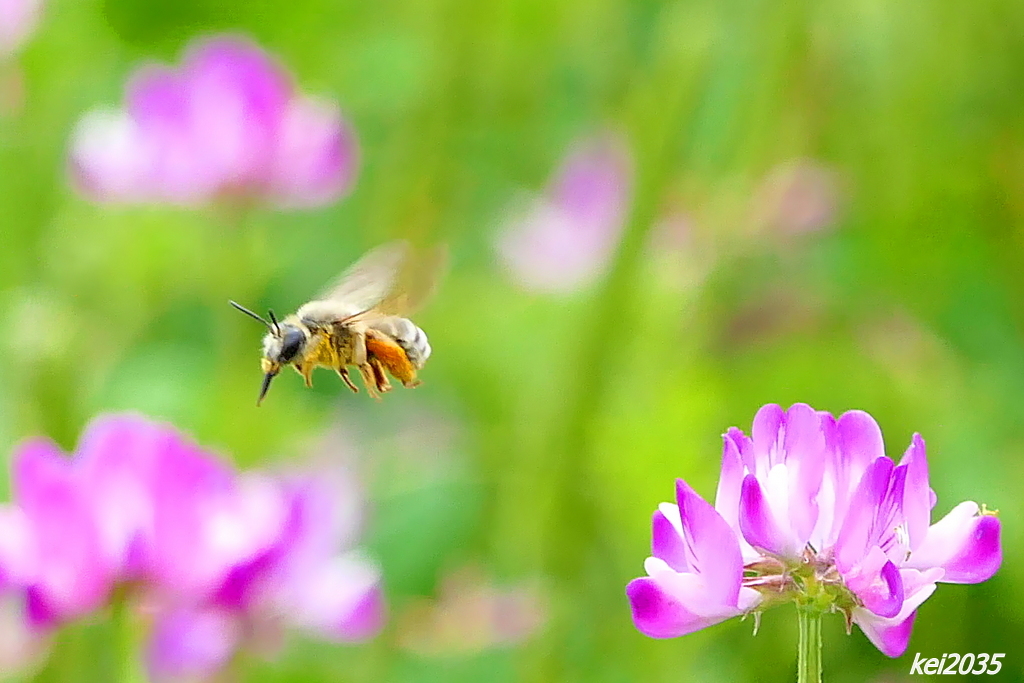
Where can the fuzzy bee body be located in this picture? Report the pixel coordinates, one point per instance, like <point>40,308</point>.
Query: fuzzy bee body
<point>356,323</point>
<point>409,336</point>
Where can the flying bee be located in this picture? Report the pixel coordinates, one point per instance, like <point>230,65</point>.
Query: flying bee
<point>357,321</point>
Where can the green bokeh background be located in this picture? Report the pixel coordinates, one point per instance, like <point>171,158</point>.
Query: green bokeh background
<point>564,420</point>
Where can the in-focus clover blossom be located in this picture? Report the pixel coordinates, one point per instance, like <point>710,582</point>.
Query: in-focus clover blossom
<point>560,242</point>
<point>202,553</point>
<point>810,509</point>
<point>228,123</point>
<point>18,20</point>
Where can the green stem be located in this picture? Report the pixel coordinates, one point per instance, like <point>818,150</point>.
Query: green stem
<point>128,642</point>
<point>808,668</point>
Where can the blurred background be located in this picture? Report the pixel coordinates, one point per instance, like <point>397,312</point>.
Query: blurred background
<point>659,216</point>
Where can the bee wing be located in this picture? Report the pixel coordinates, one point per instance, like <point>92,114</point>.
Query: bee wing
<point>386,281</point>
<point>371,279</point>
<point>415,283</point>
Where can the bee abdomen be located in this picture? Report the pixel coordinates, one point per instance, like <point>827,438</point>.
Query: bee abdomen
<point>409,336</point>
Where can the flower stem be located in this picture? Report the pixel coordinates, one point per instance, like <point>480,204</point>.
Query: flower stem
<point>808,668</point>
<point>127,642</point>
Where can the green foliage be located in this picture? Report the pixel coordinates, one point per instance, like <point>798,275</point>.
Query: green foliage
<point>571,415</point>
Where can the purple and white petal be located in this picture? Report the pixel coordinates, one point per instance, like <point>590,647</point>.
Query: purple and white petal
<point>562,241</point>
<point>667,538</point>
<point>339,600</point>
<point>192,643</point>
<point>316,155</point>
<point>713,550</point>
<point>805,458</point>
<point>759,523</point>
<point>917,495</point>
<point>110,160</point>
<point>668,606</point>
<point>71,576</point>
<point>892,635</point>
<point>237,96</point>
<point>18,20</point>
<point>856,536</point>
<point>876,581</point>
<point>18,554</point>
<point>964,543</point>
<point>764,435</point>
<point>859,444</point>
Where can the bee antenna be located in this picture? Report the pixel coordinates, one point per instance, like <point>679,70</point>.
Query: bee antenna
<point>273,319</point>
<point>249,313</point>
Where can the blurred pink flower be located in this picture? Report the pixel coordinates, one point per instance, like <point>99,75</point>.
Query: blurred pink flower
<point>227,123</point>
<point>809,508</point>
<point>562,241</point>
<point>472,614</point>
<point>310,578</point>
<point>139,507</point>
<point>18,19</point>
<point>801,196</point>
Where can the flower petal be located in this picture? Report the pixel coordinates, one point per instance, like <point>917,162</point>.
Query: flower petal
<point>562,241</point>
<point>207,520</point>
<point>340,600</point>
<point>805,458</point>
<point>172,161</point>
<point>764,435</point>
<point>859,443</point>
<point>18,20</point>
<point>966,545</point>
<point>667,542</point>
<point>890,638</point>
<point>858,528</point>
<point>730,482</point>
<point>117,456</point>
<point>917,505</point>
<point>876,581</point>
<point>315,155</point>
<point>109,159</point>
<point>17,548</point>
<point>192,644</point>
<point>71,577</point>
<point>758,523</point>
<point>891,635</point>
<point>237,97</point>
<point>660,613</point>
<point>714,550</point>
<point>730,486</point>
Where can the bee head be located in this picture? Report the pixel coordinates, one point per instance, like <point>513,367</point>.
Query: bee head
<point>281,345</point>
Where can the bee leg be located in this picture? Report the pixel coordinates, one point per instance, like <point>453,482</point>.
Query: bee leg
<point>358,349</point>
<point>306,370</point>
<point>343,373</point>
<point>383,385</point>
<point>369,379</point>
<point>387,353</point>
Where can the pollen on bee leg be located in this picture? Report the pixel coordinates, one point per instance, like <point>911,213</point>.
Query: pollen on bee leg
<point>389,354</point>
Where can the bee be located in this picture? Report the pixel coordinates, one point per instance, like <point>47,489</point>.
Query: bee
<point>358,321</point>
